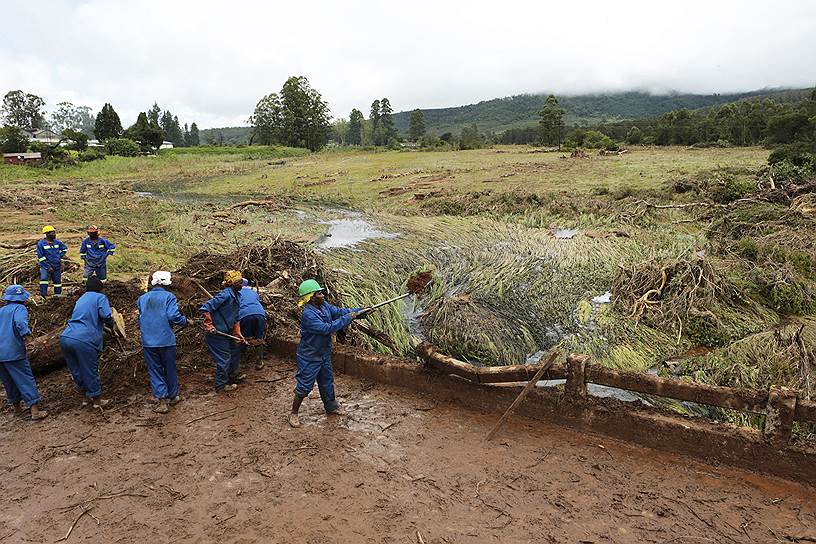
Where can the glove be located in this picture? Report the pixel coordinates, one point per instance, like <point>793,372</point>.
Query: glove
<point>362,314</point>
<point>208,323</point>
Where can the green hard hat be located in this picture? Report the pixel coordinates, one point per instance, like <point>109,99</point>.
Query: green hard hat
<point>308,286</point>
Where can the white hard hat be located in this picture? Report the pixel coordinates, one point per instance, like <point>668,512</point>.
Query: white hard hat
<point>160,278</point>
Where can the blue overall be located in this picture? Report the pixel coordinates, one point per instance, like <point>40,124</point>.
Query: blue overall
<point>49,255</point>
<point>252,314</point>
<point>314,350</point>
<point>95,253</point>
<point>158,312</point>
<point>15,372</point>
<point>224,308</point>
<point>81,341</point>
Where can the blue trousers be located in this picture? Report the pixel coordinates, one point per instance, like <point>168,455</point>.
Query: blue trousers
<point>52,275</point>
<point>320,370</point>
<point>226,355</point>
<point>253,326</point>
<point>161,368</point>
<point>19,382</point>
<point>100,270</point>
<point>83,363</point>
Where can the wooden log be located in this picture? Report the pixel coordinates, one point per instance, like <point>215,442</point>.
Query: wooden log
<point>518,373</point>
<point>447,364</point>
<point>805,411</point>
<point>46,352</point>
<point>524,392</point>
<point>747,400</point>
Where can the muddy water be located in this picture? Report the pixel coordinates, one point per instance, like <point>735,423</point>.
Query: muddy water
<point>348,232</point>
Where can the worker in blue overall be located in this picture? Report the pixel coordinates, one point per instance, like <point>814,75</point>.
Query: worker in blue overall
<point>158,312</point>
<point>15,341</point>
<point>95,251</point>
<point>317,324</point>
<point>252,316</point>
<point>81,341</point>
<point>50,253</point>
<point>224,339</point>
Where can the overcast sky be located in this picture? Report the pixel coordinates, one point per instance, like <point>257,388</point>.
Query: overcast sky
<point>210,61</point>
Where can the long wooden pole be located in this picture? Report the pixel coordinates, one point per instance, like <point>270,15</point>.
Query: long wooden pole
<point>524,392</point>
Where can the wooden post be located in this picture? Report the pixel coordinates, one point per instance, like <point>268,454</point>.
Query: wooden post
<point>575,388</point>
<point>779,415</point>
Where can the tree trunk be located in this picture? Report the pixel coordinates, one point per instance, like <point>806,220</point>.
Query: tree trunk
<point>46,352</point>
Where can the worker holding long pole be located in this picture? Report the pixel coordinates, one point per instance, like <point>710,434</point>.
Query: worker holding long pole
<point>317,324</point>
<point>224,339</point>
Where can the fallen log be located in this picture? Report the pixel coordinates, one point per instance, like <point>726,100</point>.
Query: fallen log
<point>46,352</point>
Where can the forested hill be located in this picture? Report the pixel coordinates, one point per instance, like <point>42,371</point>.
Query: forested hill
<point>521,110</point>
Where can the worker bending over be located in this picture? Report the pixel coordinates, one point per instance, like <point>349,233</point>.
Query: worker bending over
<point>252,316</point>
<point>224,338</point>
<point>81,341</point>
<point>158,312</point>
<point>15,341</point>
<point>50,253</point>
<point>95,251</point>
<point>317,324</point>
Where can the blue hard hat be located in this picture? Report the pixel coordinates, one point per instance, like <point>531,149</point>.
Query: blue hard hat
<point>16,293</point>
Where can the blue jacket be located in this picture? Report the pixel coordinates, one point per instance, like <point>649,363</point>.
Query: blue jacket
<point>250,304</point>
<point>50,254</point>
<point>13,326</point>
<point>224,308</point>
<point>158,310</point>
<point>95,253</point>
<point>89,316</point>
<point>316,327</point>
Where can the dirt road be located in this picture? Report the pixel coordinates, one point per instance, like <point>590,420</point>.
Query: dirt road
<point>401,468</point>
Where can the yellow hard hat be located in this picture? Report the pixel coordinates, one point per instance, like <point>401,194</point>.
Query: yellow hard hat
<point>232,276</point>
<point>48,228</point>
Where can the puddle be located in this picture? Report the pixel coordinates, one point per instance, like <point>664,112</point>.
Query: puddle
<point>345,233</point>
<point>606,298</point>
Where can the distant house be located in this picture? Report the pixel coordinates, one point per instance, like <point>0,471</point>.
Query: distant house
<point>22,158</point>
<point>166,145</point>
<point>44,136</point>
<point>95,143</point>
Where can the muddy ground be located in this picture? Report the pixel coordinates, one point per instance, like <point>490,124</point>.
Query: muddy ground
<point>401,467</point>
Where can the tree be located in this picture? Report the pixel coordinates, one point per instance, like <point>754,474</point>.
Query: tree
<point>417,125</point>
<point>471,138</point>
<point>355,127</point>
<point>23,110</point>
<point>387,122</point>
<point>124,147</point>
<point>169,124</point>
<point>634,136</point>
<point>297,117</point>
<point>107,124</point>
<point>147,135</point>
<point>79,139</point>
<point>153,114</point>
<point>552,122</point>
<point>68,116</point>
<point>194,137</point>
<point>13,140</point>
<point>339,131</point>
<point>377,136</point>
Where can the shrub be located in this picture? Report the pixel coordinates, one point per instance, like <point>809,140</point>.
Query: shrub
<point>726,187</point>
<point>123,147</point>
<point>788,171</point>
<point>12,140</point>
<point>597,140</point>
<point>798,154</point>
<point>634,136</point>
<point>91,155</point>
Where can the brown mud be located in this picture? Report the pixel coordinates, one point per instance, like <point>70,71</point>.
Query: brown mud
<point>229,469</point>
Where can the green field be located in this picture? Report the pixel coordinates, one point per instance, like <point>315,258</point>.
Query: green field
<point>483,220</point>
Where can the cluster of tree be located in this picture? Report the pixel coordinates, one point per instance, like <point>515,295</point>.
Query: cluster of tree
<point>149,131</point>
<point>295,117</point>
<point>378,130</point>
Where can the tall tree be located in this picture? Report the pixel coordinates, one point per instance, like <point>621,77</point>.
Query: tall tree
<point>416,128</point>
<point>153,114</point>
<point>355,127</point>
<point>374,122</point>
<point>148,135</point>
<point>23,110</point>
<point>552,122</point>
<point>107,124</point>
<point>387,122</point>
<point>186,135</point>
<point>194,137</point>
<point>297,117</point>
<point>340,131</point>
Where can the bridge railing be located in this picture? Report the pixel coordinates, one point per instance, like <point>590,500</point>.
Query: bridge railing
<point>780,406</point>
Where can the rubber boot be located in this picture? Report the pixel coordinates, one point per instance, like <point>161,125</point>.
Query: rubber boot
<point>339,411</point>
<point>36,413</point>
